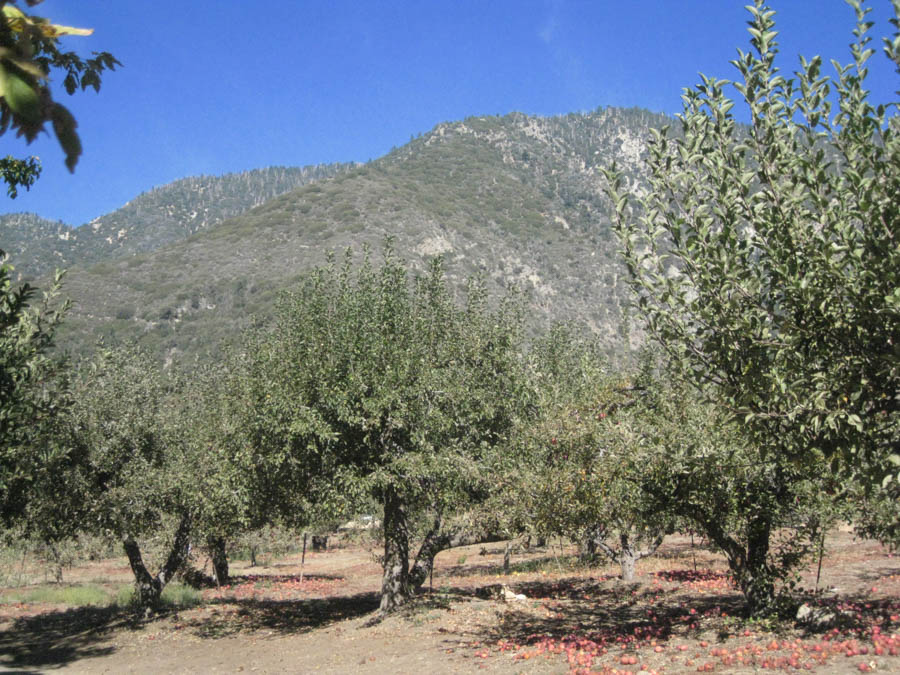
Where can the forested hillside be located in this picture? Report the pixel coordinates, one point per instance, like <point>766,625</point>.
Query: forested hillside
<point>151,220</point>
<point>518,199</point>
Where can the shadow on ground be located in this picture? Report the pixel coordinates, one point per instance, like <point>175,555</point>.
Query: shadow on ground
<point>274,579</point>
<point>229,617</point>
<point>60,638</point>
<point>604,611</point>
<point>878,573</point>
<point>55,639</point>
<point>599,609</point>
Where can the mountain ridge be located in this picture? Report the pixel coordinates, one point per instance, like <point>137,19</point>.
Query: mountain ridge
<point>518,199</point>
<point>167,218</point>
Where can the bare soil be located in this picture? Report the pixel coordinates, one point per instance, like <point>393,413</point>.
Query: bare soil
<point>682,615</point>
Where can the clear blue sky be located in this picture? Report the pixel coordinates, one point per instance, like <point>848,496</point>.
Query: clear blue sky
<point>210,87</point>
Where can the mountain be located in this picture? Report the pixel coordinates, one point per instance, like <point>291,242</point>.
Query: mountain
<point>151,220</point>
<point>35,245</point>
<point>518,199</point>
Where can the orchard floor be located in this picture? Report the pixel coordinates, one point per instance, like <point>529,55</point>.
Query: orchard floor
<point>682,615</point>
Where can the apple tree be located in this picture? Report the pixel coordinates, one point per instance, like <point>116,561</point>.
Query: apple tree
<point>764,511</point>
<point>135,472</point>
<point>574,472</point>
<point>370,384</point>
<point>27,371</point>
<point>764,258</point>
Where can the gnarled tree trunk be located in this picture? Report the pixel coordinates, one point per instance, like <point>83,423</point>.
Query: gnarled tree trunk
<point>753,571</point>
<point>149,588</point>
<point>628,553</point>
<point>440,539</point>
<point>749,564</point>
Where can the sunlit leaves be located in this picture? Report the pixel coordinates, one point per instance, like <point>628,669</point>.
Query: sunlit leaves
<point>19,22</point>
<point>783,235</point>
<point>27,399</point>
<point>29,53</point>
<point>18,173</point>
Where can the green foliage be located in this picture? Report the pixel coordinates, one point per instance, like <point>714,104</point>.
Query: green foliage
<point>229,495</point>
<point>18,173</point>
<point>390,386</point>
<point>133,468</point>
<point>765,261</point>
<point>125,419</point>
<point>174,596</point>
<point>762,510</point>
<point>153,448</point>
<point>27,401</point>
<point>264,544</point>
<point>569,470</point>
<point>369,385</point>
<point>29,52</point>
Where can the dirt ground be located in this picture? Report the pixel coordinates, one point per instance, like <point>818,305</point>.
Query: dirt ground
<point>682,615</point>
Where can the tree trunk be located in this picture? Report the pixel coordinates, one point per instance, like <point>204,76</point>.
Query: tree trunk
<point>749,565</point>
<point>146,587</point>
<point>395,580</point>
<point>506,554</point>
<point>627,558</point>
<point>56,556</point>
<point>436,540</point>
<point>219,558</point>
<point>149,588</point>
<point>592,543</point>
<point>303,557</point>
<point>627,554</point>
<point>756,578</point>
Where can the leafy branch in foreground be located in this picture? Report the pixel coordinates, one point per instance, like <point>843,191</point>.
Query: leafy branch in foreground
<point>29,53</point>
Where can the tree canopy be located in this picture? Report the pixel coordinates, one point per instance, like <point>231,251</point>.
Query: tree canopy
<point>26,391</point>
<point>373,384</point>
<point>764,258</point>
<point>583,473</point>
